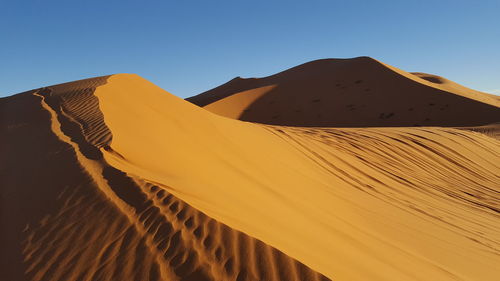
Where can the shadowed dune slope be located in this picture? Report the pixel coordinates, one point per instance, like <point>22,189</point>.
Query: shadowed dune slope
<point>358,92</point>
<point>113,178</point>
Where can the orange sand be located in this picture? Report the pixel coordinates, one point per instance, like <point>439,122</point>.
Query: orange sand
<point>113,178</point>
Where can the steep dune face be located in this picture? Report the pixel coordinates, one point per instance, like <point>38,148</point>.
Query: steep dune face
<point>128,182</point>
<point>356,92</point>
<point>68,215</point>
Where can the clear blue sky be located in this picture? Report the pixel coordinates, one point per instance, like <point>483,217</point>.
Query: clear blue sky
<point>187,47</point>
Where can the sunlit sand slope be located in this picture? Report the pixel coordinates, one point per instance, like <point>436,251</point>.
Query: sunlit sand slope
<point>68,215</point>
<point>115,179</point>
<point>354,204</point>
<point>358,92</point>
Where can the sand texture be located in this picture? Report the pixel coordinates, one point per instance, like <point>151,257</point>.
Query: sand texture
<point>113,178</point>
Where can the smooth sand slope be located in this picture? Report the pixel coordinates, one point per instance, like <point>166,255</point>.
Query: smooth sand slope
<point>113,178</point>
<point>358,92</point>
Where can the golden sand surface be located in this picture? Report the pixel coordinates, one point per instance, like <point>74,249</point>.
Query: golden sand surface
<point>113,178</point>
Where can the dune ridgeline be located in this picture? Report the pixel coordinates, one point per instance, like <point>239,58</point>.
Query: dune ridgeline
<point>345,169</point>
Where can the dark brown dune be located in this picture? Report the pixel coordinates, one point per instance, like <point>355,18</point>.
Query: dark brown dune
<point>358,92</point>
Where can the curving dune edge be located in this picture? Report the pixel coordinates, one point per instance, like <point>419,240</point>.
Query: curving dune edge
<point>112,178</point>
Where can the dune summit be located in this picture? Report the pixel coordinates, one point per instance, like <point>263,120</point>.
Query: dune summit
<point>358,92</point>
<point>113,178</point>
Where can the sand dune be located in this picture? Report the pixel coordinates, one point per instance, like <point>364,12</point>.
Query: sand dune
<point>113,178</point>
<point>78,218</point>
<point>358,92</point>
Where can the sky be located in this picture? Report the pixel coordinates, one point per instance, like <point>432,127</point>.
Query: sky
<point>187,47</point>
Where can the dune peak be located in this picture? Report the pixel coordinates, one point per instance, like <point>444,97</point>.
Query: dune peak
<point>355,92</point>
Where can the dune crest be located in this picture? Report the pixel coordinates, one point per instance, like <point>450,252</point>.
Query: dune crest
<point>357,92</point>
<point>108,225</point>
<point>128,182</point>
